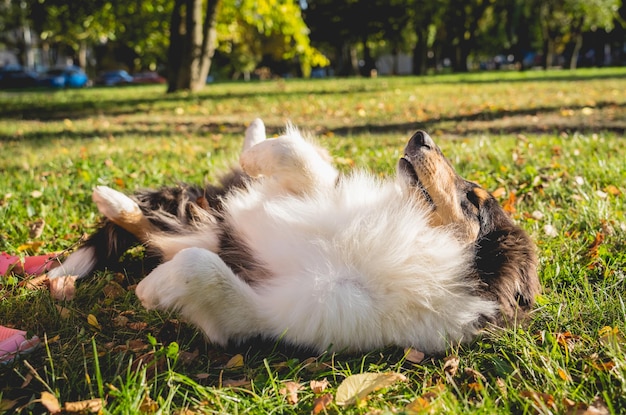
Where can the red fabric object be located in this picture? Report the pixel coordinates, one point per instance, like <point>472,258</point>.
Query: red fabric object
<point>32,265</point>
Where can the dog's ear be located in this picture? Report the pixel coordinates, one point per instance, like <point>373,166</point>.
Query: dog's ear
<point>506,262</point>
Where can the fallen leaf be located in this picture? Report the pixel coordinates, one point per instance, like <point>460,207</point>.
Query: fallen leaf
<point>540,399</point>
<point>319,386</point>
<point>113,290</point>
<point>35,229</point>
<point>90,405</point>
<point>120,321</point>
<point>451,366</point>
<point>50,402</point>
<point>234,362</point>
<point>597,241</point>
<point>64,313</point>
<point>413,356</point>
<point>499,192</point>
<point>563,375</point>
<point>320,403</point>
<point>509,204</point>
<point>237,383</point>
<point>612,190</point>
<point>357,387</point>
<point>290,390</point>
<point>93,322</point>
<point>7,404</point>
<point>137,325</point>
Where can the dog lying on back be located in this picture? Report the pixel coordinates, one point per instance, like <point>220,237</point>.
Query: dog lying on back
<point>286,247</point>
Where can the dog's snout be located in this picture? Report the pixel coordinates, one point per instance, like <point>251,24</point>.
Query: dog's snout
<point>419,141</point>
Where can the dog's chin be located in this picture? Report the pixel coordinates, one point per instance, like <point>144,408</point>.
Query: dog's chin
<point>410,176</point>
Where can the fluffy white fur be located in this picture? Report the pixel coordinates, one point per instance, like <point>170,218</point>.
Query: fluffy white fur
<point>353,261</point>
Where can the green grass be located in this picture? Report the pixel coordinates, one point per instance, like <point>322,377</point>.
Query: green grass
<point>551,143</point>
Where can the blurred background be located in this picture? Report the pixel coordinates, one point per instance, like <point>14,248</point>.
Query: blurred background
<point>187,43</point>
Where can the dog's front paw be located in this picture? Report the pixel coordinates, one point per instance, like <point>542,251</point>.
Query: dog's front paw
<point>113,204</point>
<point>160,289</point>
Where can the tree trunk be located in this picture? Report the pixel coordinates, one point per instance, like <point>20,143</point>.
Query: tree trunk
<point>420,52</point>
<point>577,46</point>
<point>192,44</point>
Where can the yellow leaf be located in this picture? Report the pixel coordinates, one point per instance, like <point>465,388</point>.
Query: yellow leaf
<point>357,387</point>
<point>234,362</point>
<point>563,374</point>
<point>93,322</point>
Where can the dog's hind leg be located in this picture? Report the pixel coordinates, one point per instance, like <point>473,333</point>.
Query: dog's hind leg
<point>206,292</point>
<point>255,133</point>
<point>123,211</point>
<point>294,164</point>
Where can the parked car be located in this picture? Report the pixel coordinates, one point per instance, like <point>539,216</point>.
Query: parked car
<point>14,76</point>
<point>148,78</point>
<point>68,77</point>
<point>117,77</point>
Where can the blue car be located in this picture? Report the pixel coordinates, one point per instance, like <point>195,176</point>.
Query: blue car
<point>69,77</point>
<point>117,77</point>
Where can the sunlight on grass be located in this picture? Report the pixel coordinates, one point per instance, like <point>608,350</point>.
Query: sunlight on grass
<point>550,145</point>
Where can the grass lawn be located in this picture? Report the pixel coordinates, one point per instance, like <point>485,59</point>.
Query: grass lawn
<point>550,145</point>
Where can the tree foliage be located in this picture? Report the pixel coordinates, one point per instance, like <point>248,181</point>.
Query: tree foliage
<point>249,30</point>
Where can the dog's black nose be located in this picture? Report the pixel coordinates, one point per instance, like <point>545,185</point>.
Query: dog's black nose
<point>421,139</point>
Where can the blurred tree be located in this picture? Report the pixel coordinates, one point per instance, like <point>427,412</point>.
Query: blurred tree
<point>565,21</point>
<point>249,30</point>
<point>193,38</point>
<point>335,26</point>
<point>427,20</point>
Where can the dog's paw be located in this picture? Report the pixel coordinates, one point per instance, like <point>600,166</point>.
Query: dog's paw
<point>113,204</point>
<point>255,133</point>
<point>160,290</point>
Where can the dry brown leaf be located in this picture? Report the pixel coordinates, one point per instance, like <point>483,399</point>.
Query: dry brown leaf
<point>509,204</point>
<point>612,190</point>
<point>413,356</point>
<point>50,402</point>
<point>357,387</point>
<point>593,248</point>
<point>597,407</point>
<point>7,404</point>
<point>63,288</point>
<point>237,383</point>
<point>290,390</point>
<point>539,398</point>
<point>90,405</point>
<point>319,386</point>
<point>35,229</point>
<point>187,358</point>
<point>113,290</point>
<point>64,313</point>
<point>137,325</point>
<point>35,283</point>
<point>320,403</point>
<point>120,321</point>
<point>451,366</point>
<point>148,406</point>
<point>499,192</point>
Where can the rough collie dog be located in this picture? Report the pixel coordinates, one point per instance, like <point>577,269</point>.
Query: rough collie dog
<point>286,247</point>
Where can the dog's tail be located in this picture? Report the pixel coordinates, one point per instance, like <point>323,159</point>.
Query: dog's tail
<point>102,249</point>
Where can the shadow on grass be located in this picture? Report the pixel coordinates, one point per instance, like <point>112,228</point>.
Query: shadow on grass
<point>475,123</point>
